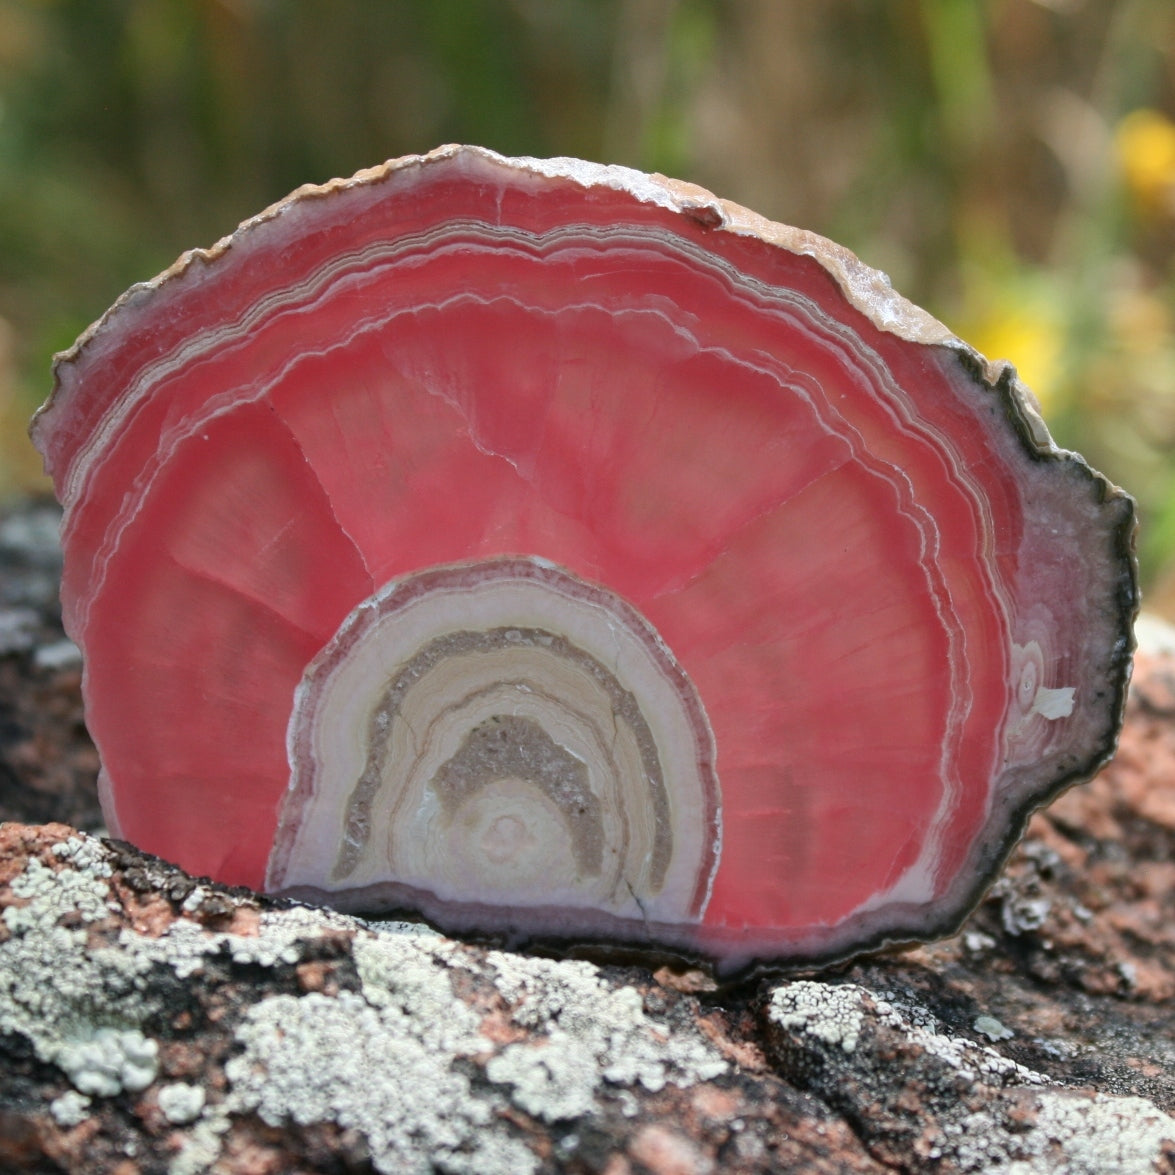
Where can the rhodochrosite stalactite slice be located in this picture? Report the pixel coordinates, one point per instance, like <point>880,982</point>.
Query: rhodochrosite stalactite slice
<point>562,551</point>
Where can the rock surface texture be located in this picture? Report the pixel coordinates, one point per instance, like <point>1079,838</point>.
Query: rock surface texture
<point>151,1022</point>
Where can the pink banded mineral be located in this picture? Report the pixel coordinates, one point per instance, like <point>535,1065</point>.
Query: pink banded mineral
<point>565,553</point>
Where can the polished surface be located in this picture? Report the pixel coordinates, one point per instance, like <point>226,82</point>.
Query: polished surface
<point>904,613</point>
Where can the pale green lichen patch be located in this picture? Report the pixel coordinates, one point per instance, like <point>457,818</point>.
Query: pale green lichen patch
<point>990,1027</point>
<point>82,1005</point>
<point>185,946</point>
<point>50,894</point>
<point>316,1059</point>
<point>382,1062</point>
<point>1100,1135</point>
<point>79,1008</point>
<point>831,1014</point>
<point>402,974</point>
<point>1071,1133</point>
<point>591,1036</point>
<point>57,994</point>
<point>554,1079</point>
<point>111,1060</point>
<point>180,1102</point>
<point>70,1109</point>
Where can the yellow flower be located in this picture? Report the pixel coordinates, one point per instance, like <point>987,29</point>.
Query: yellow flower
<point>1028,340</point>
<point>1018,317</point>
<point>1145,142</point>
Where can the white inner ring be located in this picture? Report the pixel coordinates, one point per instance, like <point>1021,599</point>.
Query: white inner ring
<point>607,798</point>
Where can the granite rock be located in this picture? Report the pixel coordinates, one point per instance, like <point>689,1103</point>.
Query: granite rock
<point>155,1022</point>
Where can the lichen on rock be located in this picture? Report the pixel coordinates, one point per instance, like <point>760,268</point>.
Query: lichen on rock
<point>590,1032</point>
<point>914,1089</point>
<point>391,1051</point>
<point>315,1059</point>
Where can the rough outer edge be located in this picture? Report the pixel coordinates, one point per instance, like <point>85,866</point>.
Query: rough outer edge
<point>867,289</point>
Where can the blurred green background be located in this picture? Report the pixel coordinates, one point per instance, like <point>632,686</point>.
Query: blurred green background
<point>1010,163</point>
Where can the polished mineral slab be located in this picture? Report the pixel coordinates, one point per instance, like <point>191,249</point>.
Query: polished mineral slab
<point>809,612</point>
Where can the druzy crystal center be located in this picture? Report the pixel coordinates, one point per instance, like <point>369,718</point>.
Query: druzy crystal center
<point>502,731</point>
